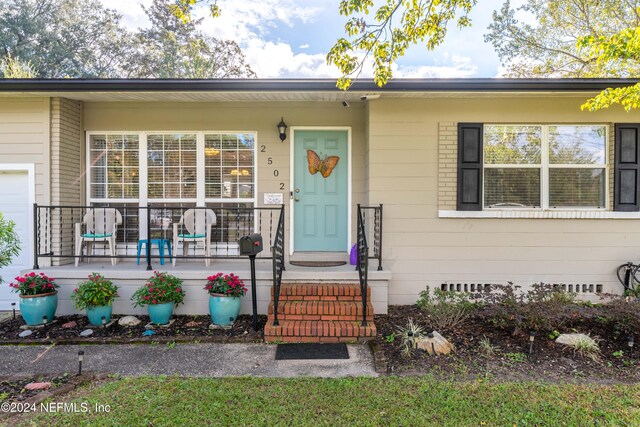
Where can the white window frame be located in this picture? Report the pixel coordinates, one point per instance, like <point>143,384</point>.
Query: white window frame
<point>544,167</point>
<point>143,199</point>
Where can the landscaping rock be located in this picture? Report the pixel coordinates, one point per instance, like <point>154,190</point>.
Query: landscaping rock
<point>213,326</point>
<point>148,333</point>
<point>129,321</point>
<point>25,334</point>
<point>192,324</point>
<point>69,325</point>
<point>86,333</point>
<point>152,325</point>
<point>571,340</point>
<point>436,343</point>
<point>37,386</point>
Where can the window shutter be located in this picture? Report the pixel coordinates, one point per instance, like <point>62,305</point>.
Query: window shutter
<point>627,168</point>
<point>469,167</point>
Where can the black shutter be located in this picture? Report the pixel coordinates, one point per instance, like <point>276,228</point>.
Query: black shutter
<point>469,167</point>
<point>627,168</point>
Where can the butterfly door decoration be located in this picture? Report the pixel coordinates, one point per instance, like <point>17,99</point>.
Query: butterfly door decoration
<point>324,166</point>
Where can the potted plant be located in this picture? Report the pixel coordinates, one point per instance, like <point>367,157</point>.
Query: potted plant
<point>225,291</point>
<point>160,294</point>
<point>38,297</point>
<point>96,295</point>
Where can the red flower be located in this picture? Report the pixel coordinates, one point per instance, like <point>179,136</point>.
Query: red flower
<point>153,302</point>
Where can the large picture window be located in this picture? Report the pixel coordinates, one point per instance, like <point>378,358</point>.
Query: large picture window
<point>545,166</point>
<point>197,168</point>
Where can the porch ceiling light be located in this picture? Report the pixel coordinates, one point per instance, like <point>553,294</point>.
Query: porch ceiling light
<point>282,129</point>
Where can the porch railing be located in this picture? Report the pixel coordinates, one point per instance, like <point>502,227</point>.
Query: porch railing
<point>277,254</point>
<point>371,217</point>
<point>362,264</point>
<point>60,230</point>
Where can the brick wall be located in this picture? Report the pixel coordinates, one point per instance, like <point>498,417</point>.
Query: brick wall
<point>447,165</point>
<point>67,179</point>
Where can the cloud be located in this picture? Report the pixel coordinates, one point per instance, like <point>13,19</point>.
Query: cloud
<point>459,67</point>
<point>304,46</point>
<point>271,60</point>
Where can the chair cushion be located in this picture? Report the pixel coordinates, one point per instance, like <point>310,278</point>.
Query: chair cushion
<point>191,236</point>
<point>96,236</point>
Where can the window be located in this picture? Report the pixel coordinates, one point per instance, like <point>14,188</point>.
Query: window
<point>550,166</point>
<point>172,168</point>
<point>229,166</point>
<point>190,168</point>
<point>114,166</point>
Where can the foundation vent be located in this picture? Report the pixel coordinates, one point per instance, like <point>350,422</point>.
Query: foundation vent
<point>577,288</point>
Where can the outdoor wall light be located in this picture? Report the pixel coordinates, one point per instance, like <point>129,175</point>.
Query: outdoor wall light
<point>282,129</point>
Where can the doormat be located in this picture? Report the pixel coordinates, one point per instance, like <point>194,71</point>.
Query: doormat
<point>318,263</point>
<point>311,351</point>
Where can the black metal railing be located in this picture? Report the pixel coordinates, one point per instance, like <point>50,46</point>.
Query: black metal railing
<point>68,233</point>
<point>362,264</point>
<point>277,255</point>
<point>372,223</point>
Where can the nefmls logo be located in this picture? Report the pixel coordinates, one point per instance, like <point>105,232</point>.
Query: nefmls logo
<point>53,407</point>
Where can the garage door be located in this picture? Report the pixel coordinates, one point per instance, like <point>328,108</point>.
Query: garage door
<point>14,205</point>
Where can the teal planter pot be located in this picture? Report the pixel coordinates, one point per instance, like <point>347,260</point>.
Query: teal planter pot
<point>95,314</point>
<point>224,310</point>
<point>160,314</point>
<point>34,307</point>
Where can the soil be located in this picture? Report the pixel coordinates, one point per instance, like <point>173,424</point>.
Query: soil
<point>12,390</point>
<point>510,359</point>
<point>241,331</point>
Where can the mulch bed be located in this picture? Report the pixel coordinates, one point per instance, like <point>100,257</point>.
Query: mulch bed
<point>242,331</point>
<point>511,360</point>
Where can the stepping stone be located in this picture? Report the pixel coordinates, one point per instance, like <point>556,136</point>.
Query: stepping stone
<point>69,325</point>
<point>86,333</point>
<point>129,321</point>
<point>25,334</point>
<point>37,386</point>
<point>148,333</point>
<point>152,325</point>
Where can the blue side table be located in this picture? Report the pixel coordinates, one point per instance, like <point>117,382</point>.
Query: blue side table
<point>158,242</point>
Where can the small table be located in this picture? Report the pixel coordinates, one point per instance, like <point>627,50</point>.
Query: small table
<point>158,242</point>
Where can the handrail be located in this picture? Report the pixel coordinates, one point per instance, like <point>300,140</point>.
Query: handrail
<point>277,255</point>
<point>56,233</point>
<point>362,263</point>
<point>376,222</point>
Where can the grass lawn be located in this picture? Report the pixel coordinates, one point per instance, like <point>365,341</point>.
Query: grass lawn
<point>169,401</point>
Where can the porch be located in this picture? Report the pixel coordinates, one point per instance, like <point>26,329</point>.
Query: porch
<point>57,236</point>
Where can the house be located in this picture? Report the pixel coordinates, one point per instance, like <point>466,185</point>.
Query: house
<point>482,181</point>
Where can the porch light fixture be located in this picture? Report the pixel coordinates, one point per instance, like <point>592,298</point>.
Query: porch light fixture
<point>282,129</point>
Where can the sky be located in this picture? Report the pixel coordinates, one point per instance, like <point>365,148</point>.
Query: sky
<point>290,39</point>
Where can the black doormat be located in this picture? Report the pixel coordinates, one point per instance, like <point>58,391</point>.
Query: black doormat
<point>318,263</point>
<point>311,351</point>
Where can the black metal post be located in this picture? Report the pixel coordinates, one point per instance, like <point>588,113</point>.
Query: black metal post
<point>35,237</point>
<point>380,242</point>
<point>254,297</point>
<point>276,285</point>
<point>149,267</point>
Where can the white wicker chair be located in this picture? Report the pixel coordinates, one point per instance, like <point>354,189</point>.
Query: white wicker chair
<point>100,225</point>
<point>198,224</point>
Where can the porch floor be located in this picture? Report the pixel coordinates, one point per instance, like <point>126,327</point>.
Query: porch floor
<point>130,270</point>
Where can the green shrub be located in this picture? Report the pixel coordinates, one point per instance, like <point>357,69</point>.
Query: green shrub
<point>9,242</point>
<point>446,310</point>
<point>94,292</point>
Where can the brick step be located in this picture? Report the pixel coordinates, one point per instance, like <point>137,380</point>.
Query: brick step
<point>318,331</point>
<point>321,310</point>
<point>316,291</point>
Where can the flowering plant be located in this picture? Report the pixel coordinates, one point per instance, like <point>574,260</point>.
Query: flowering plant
<point>94,292</point>
<point>227,284</point>
<point>161,288</point>
<point>34,284</point>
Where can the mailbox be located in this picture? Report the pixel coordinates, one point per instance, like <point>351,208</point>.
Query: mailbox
<point>251,244</point>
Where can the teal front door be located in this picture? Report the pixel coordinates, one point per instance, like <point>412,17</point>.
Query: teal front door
<point>320,182</point>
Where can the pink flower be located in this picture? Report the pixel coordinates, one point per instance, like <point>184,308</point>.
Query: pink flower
<point>32,274</point>
<point>153,302</point>
<point>178,290</point>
